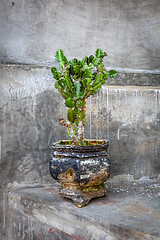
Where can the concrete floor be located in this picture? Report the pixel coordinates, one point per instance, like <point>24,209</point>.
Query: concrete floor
<point>130,211</point>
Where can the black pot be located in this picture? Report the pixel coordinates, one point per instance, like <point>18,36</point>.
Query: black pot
<point>81,170</point>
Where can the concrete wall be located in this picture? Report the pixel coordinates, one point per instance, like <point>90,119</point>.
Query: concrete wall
<point>30,33</point>
<point>30,108</point>
<point>129,116</point>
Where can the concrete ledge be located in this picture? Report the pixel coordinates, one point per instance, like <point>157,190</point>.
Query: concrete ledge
<point>130,211</point>
<point>136,79</point>
<point>128,77</point>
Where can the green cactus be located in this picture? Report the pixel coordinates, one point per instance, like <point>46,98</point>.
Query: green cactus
<point>76,81</point>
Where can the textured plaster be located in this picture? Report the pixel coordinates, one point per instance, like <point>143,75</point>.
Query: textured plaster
<point>31,31</point>
<point>30,108</point>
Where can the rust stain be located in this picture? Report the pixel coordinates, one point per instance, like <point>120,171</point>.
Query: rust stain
<point>68,176</point>
<point>55,167</point>
<point>142,147</point>
<point>138,209</point>
<point>58,231</point>
<point>69,185</point>
<point>96,179</point>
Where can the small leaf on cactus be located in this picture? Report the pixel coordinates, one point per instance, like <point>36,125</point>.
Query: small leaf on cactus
<point>78,87</point>
<point>98,78</point>
<point>69,102</point>
<point>71,115</point>
<point>96,61</point>
<point>56,85</point>
<point>59,55</point>
<point>97,87</point>
<point>55,73</point>
<point>85,60</point>
<point>68,81</point>
<point>74,60</point>
<point>98,53</point>
<point>61,83</point>
<point>91,57</point>
<point>112,73</point>
<point>101,67</point>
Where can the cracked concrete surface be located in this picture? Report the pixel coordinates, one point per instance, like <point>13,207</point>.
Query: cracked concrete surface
<point>30,33</point>
<point>130,211</point>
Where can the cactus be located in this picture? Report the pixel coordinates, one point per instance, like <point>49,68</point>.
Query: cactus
<point>76,81</point>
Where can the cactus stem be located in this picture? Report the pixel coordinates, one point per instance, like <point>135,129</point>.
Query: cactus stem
<point>70,129</point>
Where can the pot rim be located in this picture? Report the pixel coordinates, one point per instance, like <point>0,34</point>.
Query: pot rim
<point>57,145</point>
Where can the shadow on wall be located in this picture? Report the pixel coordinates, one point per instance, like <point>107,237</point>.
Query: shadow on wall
<point>28,128</point>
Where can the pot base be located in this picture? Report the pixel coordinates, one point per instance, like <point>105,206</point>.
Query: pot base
<point>81,197</point>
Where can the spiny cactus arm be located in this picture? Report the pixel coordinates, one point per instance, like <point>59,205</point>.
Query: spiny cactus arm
<point>69,82</point>
<point>81,115</point>
<point>57,75</point>
<point>61,58</point>
<point>72,114</point>
<point>100,54</point>
<point>63,92</point>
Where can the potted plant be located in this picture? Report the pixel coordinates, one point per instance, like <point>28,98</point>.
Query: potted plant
<point>80,165</point>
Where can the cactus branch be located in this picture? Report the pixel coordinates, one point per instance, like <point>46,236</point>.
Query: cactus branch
<point>70,129</point>
<point>80,134</point>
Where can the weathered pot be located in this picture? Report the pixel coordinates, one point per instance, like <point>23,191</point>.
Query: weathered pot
<point>81,170</point>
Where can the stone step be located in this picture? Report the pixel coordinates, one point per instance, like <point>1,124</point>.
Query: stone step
<point>130,211</point>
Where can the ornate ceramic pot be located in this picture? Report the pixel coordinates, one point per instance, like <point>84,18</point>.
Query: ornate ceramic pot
<point>81,170</point>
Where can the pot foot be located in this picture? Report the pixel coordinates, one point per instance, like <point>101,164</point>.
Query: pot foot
<point>82,197</point>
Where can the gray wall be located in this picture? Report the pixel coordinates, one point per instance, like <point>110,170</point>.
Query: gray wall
<point>30,33</point>
<point>129,116</point>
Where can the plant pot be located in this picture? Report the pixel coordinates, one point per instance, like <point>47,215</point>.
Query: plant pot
<point>81,170</point>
